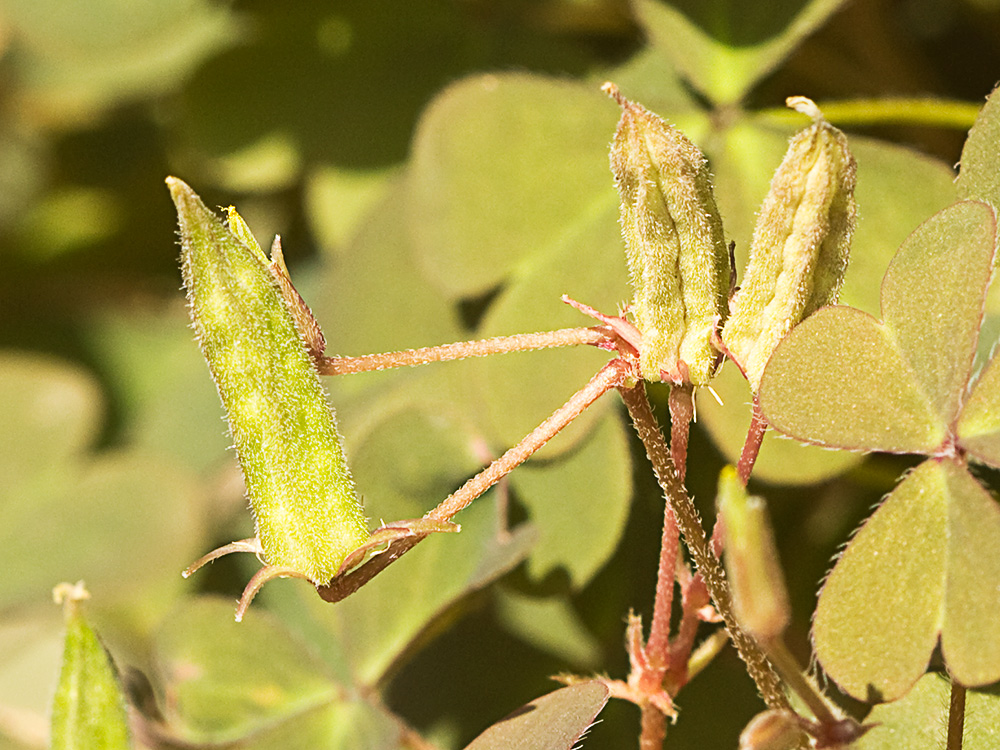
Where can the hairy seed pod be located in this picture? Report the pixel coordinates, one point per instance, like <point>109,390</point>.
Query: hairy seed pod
<point>677,256</point>
<point>307,514</point>
<point>800,244</point>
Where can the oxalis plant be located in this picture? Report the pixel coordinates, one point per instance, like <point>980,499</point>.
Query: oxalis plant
<point>917,587</point>
<point>928,555</point>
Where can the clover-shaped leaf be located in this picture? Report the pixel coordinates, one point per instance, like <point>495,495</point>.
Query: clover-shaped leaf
<point>924,567</point>
<point>918,720</point>
<point>844,379</point>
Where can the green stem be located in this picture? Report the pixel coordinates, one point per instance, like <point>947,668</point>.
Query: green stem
<point>942,113</point>
<point>708,564</point>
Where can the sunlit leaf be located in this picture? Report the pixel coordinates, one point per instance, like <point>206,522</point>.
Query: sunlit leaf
<point>503,167</point>
<point>843,379</point>
<point>553,722</point>
<point>919,719</point>
<point>978,178</point>
<point>922,567</point>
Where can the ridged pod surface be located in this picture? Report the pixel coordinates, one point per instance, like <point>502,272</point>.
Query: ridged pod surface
<point>800,245</point>
<point>677,256</point>
<point>307,514</point>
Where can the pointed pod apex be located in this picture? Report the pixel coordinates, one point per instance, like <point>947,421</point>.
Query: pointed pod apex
<point>805,105</point>
<point>613,91</point>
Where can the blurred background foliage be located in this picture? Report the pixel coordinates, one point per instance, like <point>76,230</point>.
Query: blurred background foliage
<point>417,206</point>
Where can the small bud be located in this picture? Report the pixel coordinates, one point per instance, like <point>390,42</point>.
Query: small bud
<point>88,709</point>
<point>775,729</point>
<point>759,594</point>
<point>307,514</point>
<point>677,256</point>
<point>800,245</point>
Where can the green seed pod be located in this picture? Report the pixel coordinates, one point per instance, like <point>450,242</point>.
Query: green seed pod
<point>677,256</point>
<point>307,514</point>
<point>752,565</point>
<point>800,244</point>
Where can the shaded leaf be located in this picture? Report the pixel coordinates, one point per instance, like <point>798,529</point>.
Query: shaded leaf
<point>89,707</point>
<point>77,60</point>
<point>140,505</point>
<point>406,462</point>
<point>226,680</point>
<point>923,566</point>
<point>553,722</point>
<point>978,427</point>
<point>550,624</point>
<point>724,49</point>
<point>843,379</point>
<point>578,504</point>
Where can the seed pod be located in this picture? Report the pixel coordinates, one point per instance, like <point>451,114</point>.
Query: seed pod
<point>800,244</point>
<point>307,514</point>
<point>677,256</point>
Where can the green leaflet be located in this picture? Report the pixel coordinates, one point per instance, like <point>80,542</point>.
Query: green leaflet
<point>307,514</point>
<point>677,257</point>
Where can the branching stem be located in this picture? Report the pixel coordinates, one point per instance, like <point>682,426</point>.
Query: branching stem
<point>708,564</point>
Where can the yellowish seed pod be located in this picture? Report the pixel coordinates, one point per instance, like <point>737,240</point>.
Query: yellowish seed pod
<point>800,244</point>
<point>307,514</point>
<point>677,256</point>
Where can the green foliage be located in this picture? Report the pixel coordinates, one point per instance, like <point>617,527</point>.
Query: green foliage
<point>422,201</point>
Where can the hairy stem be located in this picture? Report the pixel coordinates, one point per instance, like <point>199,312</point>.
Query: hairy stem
<point>658,645</point>
<point>653,728</point>
<point>608,377</point>
<point>462,350</point>
<point>751,447</point>
<point>708,564</point>
<point>956,716</point>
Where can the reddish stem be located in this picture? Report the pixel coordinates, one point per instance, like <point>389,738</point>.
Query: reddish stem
<point>654,728</point>
<point>956,716</point>
<point>610,376</point>
<point>681,406</point>
<point>463,349</point>
<point>708,564</point>
<point>751,447</point>
<point>658,645</point>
